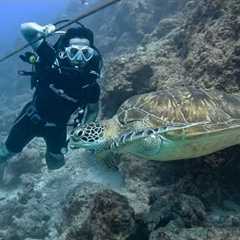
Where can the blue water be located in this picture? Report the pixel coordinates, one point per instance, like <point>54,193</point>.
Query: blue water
<point>15,12</point>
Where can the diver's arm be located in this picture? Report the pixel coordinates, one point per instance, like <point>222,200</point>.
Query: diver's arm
<point>32,31</point>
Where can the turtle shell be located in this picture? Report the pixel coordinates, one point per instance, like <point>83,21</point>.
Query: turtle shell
<point>182,110</point>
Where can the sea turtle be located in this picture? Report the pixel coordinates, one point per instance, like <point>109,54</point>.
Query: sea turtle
<point>165,125</point>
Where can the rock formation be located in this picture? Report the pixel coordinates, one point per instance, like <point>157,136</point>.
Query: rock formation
<point>146,45</point>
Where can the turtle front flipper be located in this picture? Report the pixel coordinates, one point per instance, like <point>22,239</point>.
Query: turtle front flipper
<point>145,143</point>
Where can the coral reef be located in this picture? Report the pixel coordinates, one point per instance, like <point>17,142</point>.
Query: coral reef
<point>210,44</point>
<point>110,218</point>
<point>147,45</point>
<point>196,45</point>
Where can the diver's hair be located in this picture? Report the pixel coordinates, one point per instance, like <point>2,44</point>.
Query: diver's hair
<point>79,32</point>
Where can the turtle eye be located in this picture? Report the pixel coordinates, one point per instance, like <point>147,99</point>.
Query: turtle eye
<point>80,133</point>
<point>149,132</point>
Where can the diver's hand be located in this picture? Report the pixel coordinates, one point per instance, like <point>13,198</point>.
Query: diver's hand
<point>33,32</point>
<point>48,29</point>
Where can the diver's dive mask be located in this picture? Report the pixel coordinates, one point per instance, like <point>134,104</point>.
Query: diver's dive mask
<point>79,51</point>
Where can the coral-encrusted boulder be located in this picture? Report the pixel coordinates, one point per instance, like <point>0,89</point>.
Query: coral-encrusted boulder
<point>198,233</point>
<point>76,205</point>
<point>29,161</point>
<point>211,48</point>
<point>125,24</point>
<point>178,209</point>
<point>110,218</point>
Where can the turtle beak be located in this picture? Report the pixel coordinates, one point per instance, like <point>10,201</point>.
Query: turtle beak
<point>74,137</point>
<point>72,146</point>
<point>73,142</point>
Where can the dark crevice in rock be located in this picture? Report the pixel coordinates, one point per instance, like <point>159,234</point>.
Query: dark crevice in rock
<point>141,232</point>
<point>141,78</point>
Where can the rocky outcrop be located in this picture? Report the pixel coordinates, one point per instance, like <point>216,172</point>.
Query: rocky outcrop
<point>147,45</point>
<point>110,218</point>
<point>185,217</point>
<point>176,211</point>
<point>197,233</point>
<point>28,162</point>
<point>210,44</point>
<point>122,27</point>
<point>197,45</point>
<point>151,67</point>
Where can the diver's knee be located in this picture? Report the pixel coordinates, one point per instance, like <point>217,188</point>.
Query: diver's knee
<point>54,160</point>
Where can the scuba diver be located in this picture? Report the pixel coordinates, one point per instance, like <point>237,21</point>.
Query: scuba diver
<point>65,81</point>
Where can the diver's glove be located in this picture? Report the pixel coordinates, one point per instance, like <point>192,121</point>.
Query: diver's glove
<point>48,29</point>
<point>33,31</point>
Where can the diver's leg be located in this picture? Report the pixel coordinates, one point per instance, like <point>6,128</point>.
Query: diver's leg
<point>55,138</point>
<point>20,134</point>
<point>17,137</point>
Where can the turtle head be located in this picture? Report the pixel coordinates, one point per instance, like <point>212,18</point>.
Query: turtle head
<point>92,136</point>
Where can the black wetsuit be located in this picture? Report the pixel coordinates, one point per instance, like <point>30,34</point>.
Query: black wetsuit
<point>60,90</point>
